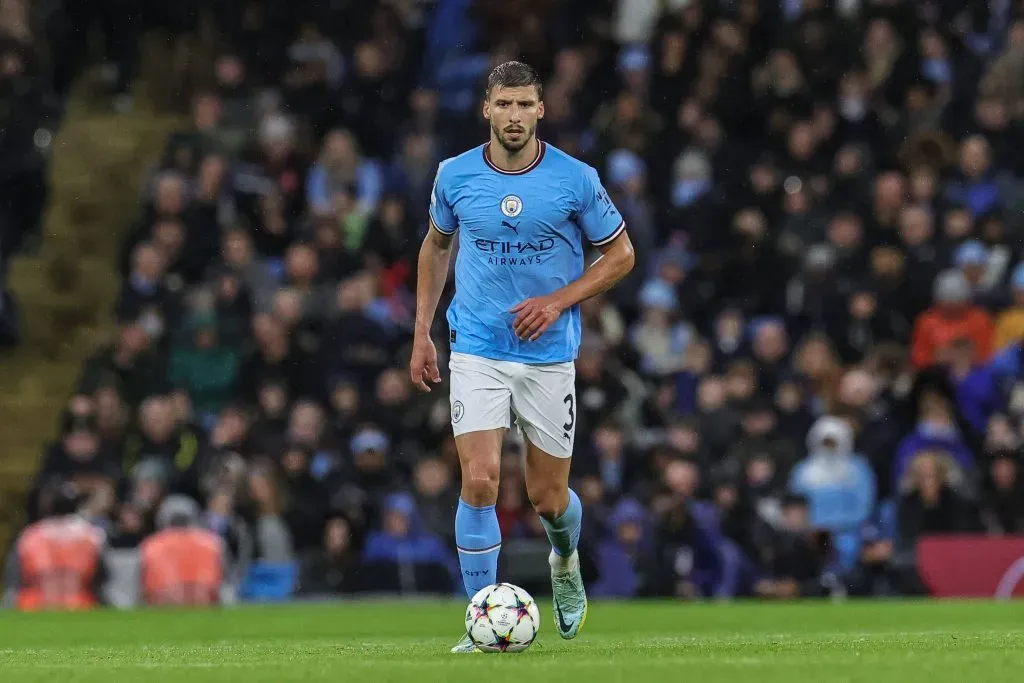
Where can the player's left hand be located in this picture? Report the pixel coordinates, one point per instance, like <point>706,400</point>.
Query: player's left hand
<point>535,315</point>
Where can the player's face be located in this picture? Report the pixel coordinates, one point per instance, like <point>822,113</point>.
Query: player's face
<point>513,113</point>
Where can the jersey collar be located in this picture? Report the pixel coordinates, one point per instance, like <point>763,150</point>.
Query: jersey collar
<point>541,149</point>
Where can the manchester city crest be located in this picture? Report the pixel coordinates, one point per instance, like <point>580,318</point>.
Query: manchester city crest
<point>511,206</point>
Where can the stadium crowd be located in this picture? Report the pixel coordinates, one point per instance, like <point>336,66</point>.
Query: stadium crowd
<point>817,359</point>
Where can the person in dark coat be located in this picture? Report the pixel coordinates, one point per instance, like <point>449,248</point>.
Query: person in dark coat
<point>624,557</point>
<point>401,540</point>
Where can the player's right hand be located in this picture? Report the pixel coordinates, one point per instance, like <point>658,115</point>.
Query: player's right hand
<point>423,365</point>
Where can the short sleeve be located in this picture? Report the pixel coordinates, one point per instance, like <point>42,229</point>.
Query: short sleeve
<point>598,218</point>
<point>442,216</point>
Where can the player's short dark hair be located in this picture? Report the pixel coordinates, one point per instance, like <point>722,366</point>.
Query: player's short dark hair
<point>514,75</point>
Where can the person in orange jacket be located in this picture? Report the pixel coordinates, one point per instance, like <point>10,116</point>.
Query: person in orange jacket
<point>952,317</point>
<point>59,559</point>
<point>182,564</point>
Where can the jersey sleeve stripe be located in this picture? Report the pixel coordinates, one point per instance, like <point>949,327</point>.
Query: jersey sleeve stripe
<point>435,227</point>
<point>611,238</point>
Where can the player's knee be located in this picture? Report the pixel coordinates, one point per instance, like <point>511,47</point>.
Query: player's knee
<point>480,484</point>
<point>549,501</point>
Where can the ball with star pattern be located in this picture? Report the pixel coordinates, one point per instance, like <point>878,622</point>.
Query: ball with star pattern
<point>502,618</point>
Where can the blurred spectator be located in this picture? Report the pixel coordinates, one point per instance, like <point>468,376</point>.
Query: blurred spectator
<point>402,544</point>
<point>205,367</point>
<point>600,390</point>
<point>623,557</point>
<point>59,559</point>
<point>77,459</point>
<point>111,419</point>
<point>435,497</point>
<point>1003,509</point>
<point>839,486</point>
<point>692,559</point>
<point>929,501</point>
<point>341,168</point>
<point>951,317</point>
<point>372,462</point>
<point>976,386</point>
<point>220,518</point>
<point>307,499</point>
<point>659,340</point>
<point>975,187</point>
<point>144,296</point>
<point>935,429</point>
<point>801,557</point>
<point>182,564</point>
<point>332,569</point>
<point>170,450</point>
<point>272,538</point>
<point>131,364</point>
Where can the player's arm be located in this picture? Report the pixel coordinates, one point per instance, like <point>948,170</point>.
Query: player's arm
<point>601,224</point>
<point>614,263</point>
<point>432,273</point>
<point>537,314</point>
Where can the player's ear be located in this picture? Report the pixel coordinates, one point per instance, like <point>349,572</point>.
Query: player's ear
<point>540,109</point>
<point>487,110</point>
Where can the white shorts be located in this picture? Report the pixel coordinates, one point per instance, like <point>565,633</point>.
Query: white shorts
<point>543,398</point>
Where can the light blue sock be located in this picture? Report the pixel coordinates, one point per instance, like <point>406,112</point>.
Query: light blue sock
<point>478,538</point>
<point>564,532</point>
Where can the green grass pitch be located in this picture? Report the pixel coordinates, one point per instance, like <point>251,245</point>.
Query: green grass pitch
<point>408,642</point>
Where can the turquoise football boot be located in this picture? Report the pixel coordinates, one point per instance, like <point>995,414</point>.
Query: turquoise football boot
<point>569,596</point>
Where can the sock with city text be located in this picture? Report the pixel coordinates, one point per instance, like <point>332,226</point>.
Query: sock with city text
<point>478,538</point>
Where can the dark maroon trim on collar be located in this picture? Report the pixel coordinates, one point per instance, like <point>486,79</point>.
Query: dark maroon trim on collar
<point>541,149</point>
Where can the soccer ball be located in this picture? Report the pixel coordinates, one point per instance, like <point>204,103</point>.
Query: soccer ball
<point>502,618</point>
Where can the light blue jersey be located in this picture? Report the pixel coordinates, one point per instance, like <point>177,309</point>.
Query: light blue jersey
<point>521,234</point>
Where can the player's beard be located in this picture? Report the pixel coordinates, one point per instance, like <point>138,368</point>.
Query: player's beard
<point>514,146</point>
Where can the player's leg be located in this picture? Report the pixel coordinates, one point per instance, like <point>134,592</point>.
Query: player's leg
<point>477,535</point>
<point>480,400</point>
<point>560,510</point>
<point>544,399</point>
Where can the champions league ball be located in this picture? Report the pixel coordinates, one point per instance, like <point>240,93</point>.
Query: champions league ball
<point>502,618</point>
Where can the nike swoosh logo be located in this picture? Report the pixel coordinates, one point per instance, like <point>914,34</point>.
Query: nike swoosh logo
<point>565,628</point>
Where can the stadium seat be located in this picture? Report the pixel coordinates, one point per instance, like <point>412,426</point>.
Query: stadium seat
<point>267,582</point>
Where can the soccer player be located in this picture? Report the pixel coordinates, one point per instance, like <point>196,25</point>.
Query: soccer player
<point>522,210</point>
